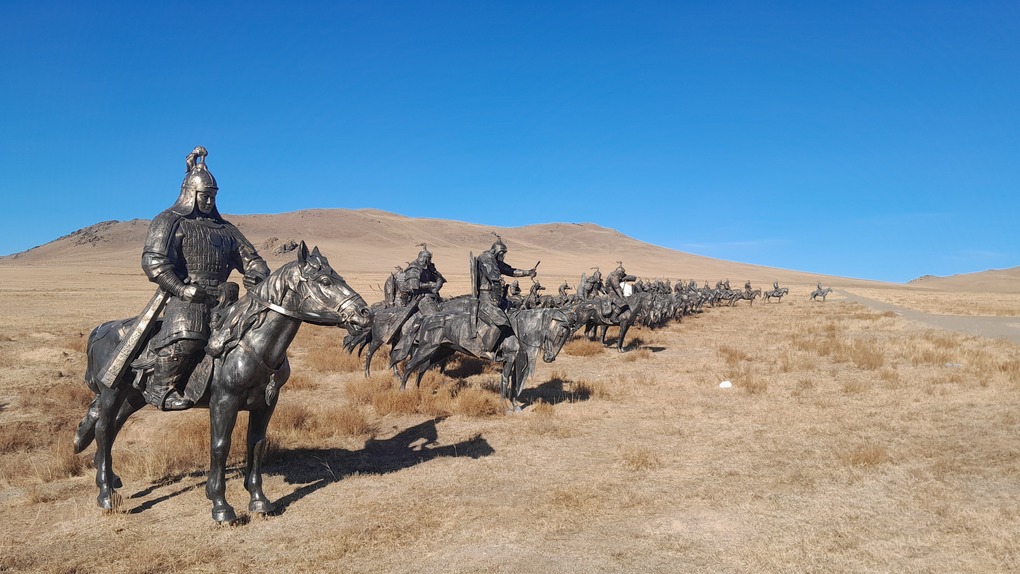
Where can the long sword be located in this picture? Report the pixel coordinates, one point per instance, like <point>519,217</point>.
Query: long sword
<point>130,344</point>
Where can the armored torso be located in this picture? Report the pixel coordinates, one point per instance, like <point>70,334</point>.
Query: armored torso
<point>199,251</point>
<point>208,251</point>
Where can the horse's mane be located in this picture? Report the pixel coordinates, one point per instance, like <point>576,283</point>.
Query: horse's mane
<point>247,313</point>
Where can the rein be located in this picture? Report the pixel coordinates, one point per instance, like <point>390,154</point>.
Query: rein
<point>295,314</point>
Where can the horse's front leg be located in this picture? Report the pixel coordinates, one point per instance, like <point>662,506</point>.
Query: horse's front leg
<point>625,322</point>
<point>223,407</point>
<point>258,421</point>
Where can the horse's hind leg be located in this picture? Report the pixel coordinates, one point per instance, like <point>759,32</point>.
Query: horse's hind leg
<point>110,402</point>
<point>133,402</point>
<point>258,421</point>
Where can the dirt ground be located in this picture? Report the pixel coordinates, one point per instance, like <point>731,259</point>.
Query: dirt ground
<point>1006,327</point>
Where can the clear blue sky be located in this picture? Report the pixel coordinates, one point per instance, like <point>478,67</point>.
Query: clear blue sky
<point>876,140</point>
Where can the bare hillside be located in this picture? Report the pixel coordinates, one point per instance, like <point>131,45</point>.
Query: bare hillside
<point>993,281</point>
<point>367,244</point>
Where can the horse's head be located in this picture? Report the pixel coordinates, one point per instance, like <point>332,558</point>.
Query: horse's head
<point>561,325</point>
<point>310,290</point>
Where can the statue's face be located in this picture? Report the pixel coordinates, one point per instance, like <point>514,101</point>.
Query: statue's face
<point>205,200</point>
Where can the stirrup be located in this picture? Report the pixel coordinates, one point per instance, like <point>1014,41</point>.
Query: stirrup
<point>173,401</point>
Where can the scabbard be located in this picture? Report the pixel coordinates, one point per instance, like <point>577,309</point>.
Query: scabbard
<point>132,343</point>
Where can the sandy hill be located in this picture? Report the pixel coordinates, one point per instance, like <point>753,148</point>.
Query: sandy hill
<point>992,281</point>
<point>366,244</point>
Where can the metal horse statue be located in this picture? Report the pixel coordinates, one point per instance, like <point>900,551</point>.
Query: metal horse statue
<point>777,293</point>
<point>247,375</point>
<point>821,293</point>
<point>441,335</point>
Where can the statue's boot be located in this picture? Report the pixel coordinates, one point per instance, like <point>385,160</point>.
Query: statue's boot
<point>174,364</point>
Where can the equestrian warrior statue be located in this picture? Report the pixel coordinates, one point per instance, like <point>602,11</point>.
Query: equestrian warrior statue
<point>614,288</point>
<point>487,271</point>
<point>562,292</point>
<point>590,287</point>
<point>420,283</point>
<point>189,252</point>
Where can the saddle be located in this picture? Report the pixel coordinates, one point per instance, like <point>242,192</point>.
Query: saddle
<point>197,383</point>
<point>225,334</point>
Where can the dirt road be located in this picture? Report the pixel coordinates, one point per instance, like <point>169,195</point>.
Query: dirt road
<point>1007,328</point>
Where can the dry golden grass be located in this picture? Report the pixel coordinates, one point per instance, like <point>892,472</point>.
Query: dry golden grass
<point>867,455</point>
<point>581,347</point>
<point>946,302</point>
<point>637,355</point>
<point>590,389</point>
<point>474,402</point>
<point>641,458</point>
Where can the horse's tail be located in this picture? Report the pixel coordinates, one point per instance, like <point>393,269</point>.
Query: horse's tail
<point>86,432</point>
<point>102,340</point>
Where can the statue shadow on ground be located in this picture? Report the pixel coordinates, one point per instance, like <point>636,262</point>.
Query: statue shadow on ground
<point>465,367</point>
<point>635,344</point>
<point>318,468</point>
<point>555,391</point>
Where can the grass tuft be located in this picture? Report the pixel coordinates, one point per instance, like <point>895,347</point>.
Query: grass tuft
<point>582,347</point>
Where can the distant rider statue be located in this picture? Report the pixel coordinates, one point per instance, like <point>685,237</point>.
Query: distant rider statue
<point>189,252</point>
<point>420,283</point>
<point>614,288</point>
<point>590,287</point>
<point>487,273</point>
<point>563,297</point>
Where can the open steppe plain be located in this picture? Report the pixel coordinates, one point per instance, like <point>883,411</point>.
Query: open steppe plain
<point>852,439</point>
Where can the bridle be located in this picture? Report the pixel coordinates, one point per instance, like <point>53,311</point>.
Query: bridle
<point>342,309</point>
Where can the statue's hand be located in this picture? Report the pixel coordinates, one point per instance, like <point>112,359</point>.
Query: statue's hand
<point>193,294</point>
<point>532,272</point>
<point>251,280</point>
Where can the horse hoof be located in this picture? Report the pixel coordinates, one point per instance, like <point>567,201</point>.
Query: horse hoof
<point>224,516</point>
<point>262,507</point>
<point>111,503</point>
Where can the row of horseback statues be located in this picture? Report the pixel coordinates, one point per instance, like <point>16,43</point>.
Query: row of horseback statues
<point>200,344</point>
<point>494,322</point>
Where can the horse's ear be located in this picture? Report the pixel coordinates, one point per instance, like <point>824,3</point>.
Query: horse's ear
<point>302,252</point>
<point>315,252</point>
<point>571,317</point>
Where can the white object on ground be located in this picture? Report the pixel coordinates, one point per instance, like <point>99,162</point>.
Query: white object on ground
<point>725,385</point>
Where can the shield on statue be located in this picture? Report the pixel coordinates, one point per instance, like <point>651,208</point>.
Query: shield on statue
<point>473,269</point>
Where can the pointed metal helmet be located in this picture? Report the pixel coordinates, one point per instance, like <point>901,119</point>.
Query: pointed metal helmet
<point>424,254</point>
<point>498,245</point>
<point>198,178</point>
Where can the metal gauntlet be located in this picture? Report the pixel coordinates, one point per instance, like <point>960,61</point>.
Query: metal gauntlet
<point>170,283</point>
